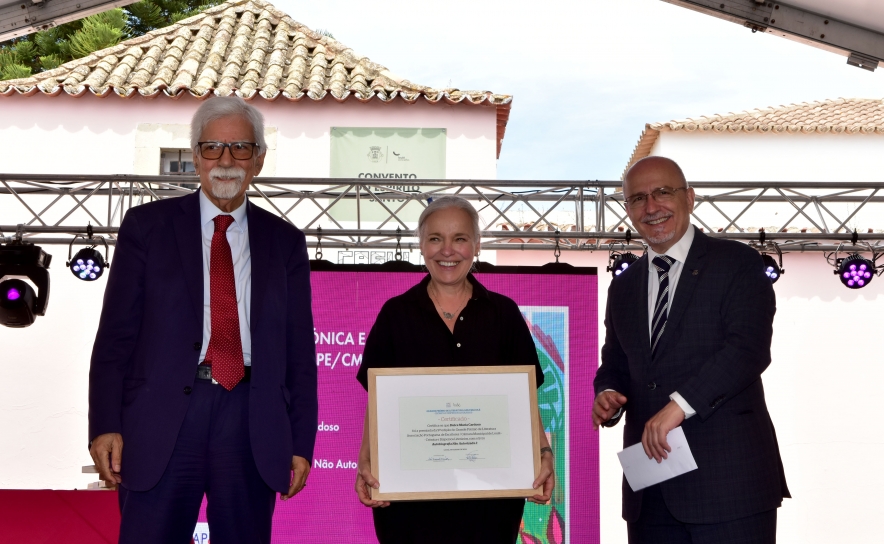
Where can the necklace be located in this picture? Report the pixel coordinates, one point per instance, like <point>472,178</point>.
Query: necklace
<point>447,315</point>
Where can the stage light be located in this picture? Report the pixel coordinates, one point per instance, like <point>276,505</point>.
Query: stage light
<point>16,303</point>
<point>772,269</point>
<point>20,305</point>
<point>855,271</point>
<point>619,262</point>
<point>87,264</point>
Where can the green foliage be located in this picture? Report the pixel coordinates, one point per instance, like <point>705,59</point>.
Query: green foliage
<point>51,48</point>
<point>12,64</point>
<point>149,15</point>
<point>99,31</point>
<point>11,70</point>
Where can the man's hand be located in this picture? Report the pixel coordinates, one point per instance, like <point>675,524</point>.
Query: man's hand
<point>547,479</point>
<point>107,452</point>
<point>606,405</point>
<point>300,470</point>
<point>364,482</point>
<point>656,429</point>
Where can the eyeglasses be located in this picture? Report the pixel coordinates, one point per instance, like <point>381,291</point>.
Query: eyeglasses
<point>663,194</point>
<point>238,150</point>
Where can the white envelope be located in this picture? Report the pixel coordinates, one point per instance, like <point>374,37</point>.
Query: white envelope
<point>642,472</point>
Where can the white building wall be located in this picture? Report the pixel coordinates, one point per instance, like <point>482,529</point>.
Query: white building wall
<point>43,393</point>
<point>88,135</point>
<point>742,156</point>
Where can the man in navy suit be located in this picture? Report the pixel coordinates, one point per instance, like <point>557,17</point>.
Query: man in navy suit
<point>688,333</point>
<point>203,372</point>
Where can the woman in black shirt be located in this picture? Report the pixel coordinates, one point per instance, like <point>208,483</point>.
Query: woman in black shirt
<point>449,319</point>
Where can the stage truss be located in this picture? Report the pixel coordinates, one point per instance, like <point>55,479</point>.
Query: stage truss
<point>520,215</point>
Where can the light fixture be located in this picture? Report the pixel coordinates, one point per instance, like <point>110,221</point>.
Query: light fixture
<point>855,271</point>
<point>87,264</point>
<point>619,262</point>
<point>19,303</point>
<point>771,268</point>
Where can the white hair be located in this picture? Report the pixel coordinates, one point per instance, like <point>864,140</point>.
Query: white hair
<point>450,201</point>
<point>219,107</point>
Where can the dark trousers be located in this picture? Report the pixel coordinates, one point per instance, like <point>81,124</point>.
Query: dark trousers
<point>213,456</point>
<point>656,525</point>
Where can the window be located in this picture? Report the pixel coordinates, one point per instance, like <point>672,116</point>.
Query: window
<point>178,162</point>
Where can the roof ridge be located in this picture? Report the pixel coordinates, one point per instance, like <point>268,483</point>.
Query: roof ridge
<point>761,111</point>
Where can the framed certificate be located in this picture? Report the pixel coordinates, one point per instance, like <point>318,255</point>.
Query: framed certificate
<point>453,432</point>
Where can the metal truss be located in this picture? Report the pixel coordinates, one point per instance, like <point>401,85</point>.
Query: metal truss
<point>519,215</point>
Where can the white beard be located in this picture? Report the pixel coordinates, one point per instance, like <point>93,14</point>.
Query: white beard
<point>226,190</point>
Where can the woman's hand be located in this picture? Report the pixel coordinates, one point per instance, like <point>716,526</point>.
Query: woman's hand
<point>364,482</point>
<point>546,480</point>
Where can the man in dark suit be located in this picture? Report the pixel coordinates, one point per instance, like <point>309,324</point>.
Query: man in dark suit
<point>203,373</point>
<point>688,332</point>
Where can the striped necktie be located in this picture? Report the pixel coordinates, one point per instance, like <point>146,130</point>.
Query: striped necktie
<point>661,310</point>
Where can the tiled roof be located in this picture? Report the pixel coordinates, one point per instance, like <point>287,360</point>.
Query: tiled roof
<point>247,47</point>
<point>841,116</point>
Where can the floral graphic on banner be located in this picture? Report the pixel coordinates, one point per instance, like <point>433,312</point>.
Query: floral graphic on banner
<point>545,523</point>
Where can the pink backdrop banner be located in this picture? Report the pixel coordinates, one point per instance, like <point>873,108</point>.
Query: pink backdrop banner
<point>561,310</point>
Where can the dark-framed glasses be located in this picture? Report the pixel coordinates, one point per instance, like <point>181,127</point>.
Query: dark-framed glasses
<point>663,194</point>
<point>238,150</point>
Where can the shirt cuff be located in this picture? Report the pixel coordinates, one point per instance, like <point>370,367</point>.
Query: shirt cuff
<point>683,404</point>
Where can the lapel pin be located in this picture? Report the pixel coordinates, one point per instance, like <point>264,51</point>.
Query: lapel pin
<point>695,272</point>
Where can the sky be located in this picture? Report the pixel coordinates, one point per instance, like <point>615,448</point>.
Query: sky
<point>586,75</point>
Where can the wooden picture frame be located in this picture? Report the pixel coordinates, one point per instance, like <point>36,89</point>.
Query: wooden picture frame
<point>454,432</point>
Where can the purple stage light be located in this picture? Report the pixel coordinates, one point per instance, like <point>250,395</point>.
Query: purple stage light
<point>620,262</point>
<point>13,294</point>
<point>771,268</point>
<point>855,271</point>
<point>87,264</point>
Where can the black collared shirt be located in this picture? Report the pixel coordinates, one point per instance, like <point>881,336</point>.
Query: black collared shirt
<point>408,332</point>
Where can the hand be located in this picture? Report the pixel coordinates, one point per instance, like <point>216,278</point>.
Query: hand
<point>606,405</point>
<point>656,429</point>
<point>365,481</point>
<point>107,452</point>
<point>546,478</point>
<point>300,470</point>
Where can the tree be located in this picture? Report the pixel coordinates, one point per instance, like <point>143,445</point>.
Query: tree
<point>51,48</point>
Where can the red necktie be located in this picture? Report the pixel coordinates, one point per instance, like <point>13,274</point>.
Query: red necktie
<point>225,345</point>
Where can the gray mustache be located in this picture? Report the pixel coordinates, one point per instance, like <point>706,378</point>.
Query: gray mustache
<point>228,172</point>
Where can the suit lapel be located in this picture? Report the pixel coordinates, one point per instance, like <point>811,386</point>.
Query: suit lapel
<point>687,284</point>
<point>188,235</point>
<point>259,248</point>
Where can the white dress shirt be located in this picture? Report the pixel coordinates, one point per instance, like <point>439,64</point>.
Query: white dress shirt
<point>238,238</point>
<point>678,252</point>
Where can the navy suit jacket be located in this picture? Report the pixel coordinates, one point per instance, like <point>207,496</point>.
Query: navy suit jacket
<point>149,338</point>
<point>713,351</point>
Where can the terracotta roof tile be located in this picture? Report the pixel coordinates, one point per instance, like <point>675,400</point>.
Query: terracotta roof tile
<point>247,47</point>
<point>840,116</point>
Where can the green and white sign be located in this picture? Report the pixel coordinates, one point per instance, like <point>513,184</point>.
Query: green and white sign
<point>401,155</point>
